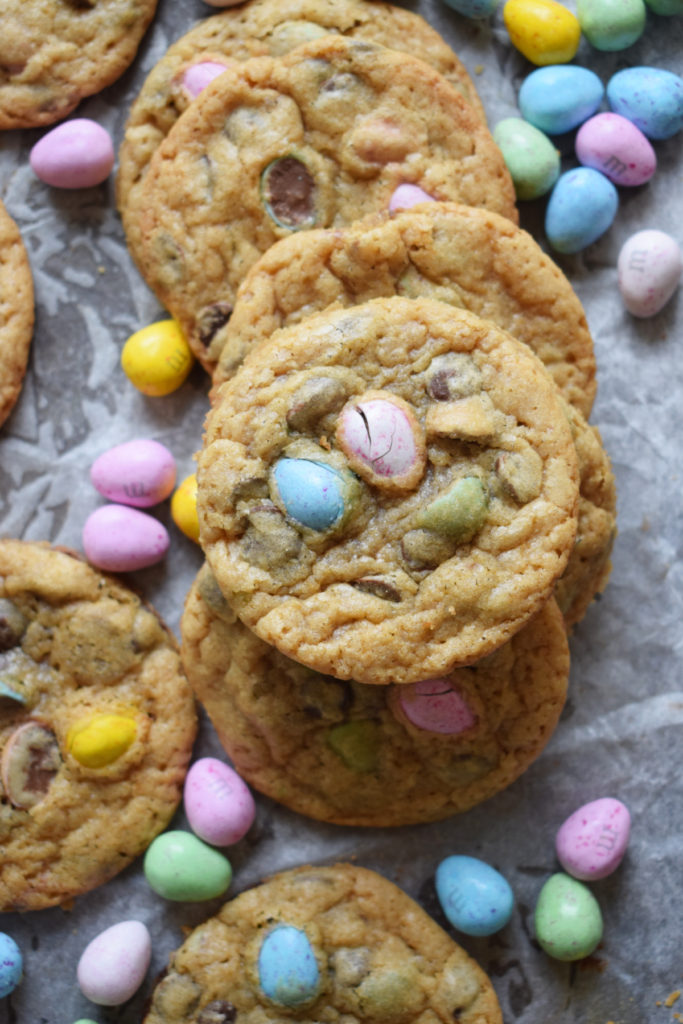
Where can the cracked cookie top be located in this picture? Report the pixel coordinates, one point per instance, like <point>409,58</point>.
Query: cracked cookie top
<point>16,312</point>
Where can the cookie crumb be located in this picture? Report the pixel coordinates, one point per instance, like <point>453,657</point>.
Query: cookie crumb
<point>673,997</point>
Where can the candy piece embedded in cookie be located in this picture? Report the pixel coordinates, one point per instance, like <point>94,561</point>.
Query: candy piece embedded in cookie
<point>353,754</point>
<point>365,567</point>
<point>97,723</point>
<point>16,312</point>
<point>317,943</point>
<point>318,138</point>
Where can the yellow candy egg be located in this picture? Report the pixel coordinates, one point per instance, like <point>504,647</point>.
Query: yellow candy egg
<point>543,30</point>
<point>184,508</point>
<point>99,740</point>
<point>157,359</point>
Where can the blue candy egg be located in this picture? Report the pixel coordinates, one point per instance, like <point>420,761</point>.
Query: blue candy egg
<point>475,898</point>
<point>560,97</point>
<point>11,965</point>
<point>650,97</point>
<point>288,970</point>
<point>582,206</point>
<point>312,492</point>
<point>473,8</point>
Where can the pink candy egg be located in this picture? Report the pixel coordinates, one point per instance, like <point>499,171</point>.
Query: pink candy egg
<point>197,76</point>
<point>121,539</point>
<point>218,804</point>
<point>379,433</point>
<point>75,154</point>
<point>113,966</point>
<point>407,196</point>
<point>436,706</point>
<point>649,268</point>
<point>140,473</point>
<point>613,145</point>
<point>592,841</point>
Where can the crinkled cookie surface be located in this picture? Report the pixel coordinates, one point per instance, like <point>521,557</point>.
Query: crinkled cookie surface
<point>16,312</point>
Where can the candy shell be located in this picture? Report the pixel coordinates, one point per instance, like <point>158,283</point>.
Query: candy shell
<point>592,842</point>
<point>218,804</point>
<point>382,440</point>
<point>196,78</point>
<point>75,154</point>
<point>560,97</point>
<point>436,706</point>
<point>649,268</point>
<point>357,743</point>
<point>184,508</point>
<point>473,8</point>
<point>530,157</point>
<point>312,492</point>
<point>567,918</point>
<point>113,966</point>
<point>582,207</point>
<point>543,30</point>
<point>459,513</point>
<point>612,144</point>
<point>651,98</point>
<point>140,473</point>
<point>98,740</point>
<point>121,539</point>
<point>11,965</point>
<point>406,196</point>
<point>611,24</point>
<point>475,898</point>
<point>157,358</point>
<point>287,967</point>
<point>179,866</point>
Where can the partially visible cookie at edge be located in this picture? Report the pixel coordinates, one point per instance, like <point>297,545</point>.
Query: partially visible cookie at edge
<point>16,312</point>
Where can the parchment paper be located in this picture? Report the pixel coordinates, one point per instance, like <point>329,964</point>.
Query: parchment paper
<point>620,734</point>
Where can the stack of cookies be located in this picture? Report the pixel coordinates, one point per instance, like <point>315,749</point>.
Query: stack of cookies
<point>402,506</point>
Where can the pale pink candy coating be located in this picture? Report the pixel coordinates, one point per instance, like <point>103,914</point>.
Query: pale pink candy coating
<point>406,196</point>
<point>592,841</point>
<point>649,269</point>
<point>140,473</point>
<point>613,145</point>
<point>113,966</point>
<point>436,706</point>
<point>75,154</point>
<point>380,435</point>
<point>121,539</point>
<point>218,803</point>
<point>197,76</point>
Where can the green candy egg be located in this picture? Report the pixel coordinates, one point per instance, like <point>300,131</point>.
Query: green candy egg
<point>356,743</point>
<point>568,920</point>
<point>530,157</point>
<point>460,512</point>
<point>178,866</point>
<point>611,24</point>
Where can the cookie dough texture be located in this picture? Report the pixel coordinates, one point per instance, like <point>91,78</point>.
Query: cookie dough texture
<point>318,138</point>
<point>73,644</point>
<point>345,752</point>
<point>470,258</point>
<point>380,957</point>
<point>385,595</point>
<point>16,312</point>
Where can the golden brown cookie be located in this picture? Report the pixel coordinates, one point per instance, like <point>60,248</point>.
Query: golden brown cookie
<point>53,53</point>
<point>337,943</point>
<point>388,491</point>
<point>16,312</point>
<point>318,138</point>
<point>96,726</point>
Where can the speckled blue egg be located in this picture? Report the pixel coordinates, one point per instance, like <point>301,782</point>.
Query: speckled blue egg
<point>650,97</point>
<point>288,970</point>
<point>582,206</point>
<point>475,898</point>
<point>11,965</point>
<point>311,492</point>
<point>559,97</point>
<point>473,8</point>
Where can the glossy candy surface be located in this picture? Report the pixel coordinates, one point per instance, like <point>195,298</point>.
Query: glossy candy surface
<point>406,196</point>
<point>312,492</point>
<point>459,513</point>
<point>581,208</point>
<point>75,154</point>
<point>179,866</point>
<point>592,842</point>
<point>560,97</point>
<point>288,970</point>
<point>184,507</point>
<point>113,966</point>
<point>382,440</point>
<point>546,32</point>
<point>651,98</point>
<point>157,359</point>
<point>611,24</point>
<point>140,473</point>
<point>649,271</point>
<point>121,539</point>
<point>567,918</point>
<point>196,78</point>
<point>218,804</point>
<point>475,898</point>
<point>530,157</point>
<point>436,706</point>
<point>11,965</point>
<point>101,739</point>
<point>612,144</point>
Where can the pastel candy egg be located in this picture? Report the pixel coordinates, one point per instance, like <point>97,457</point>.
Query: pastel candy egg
<point>611,24</point>
<point>612,144</point>
<point>475,898</point>
<point>11,965</point>
<point>196,78</point>
<point>179,866</point>
<point>436,706</point>
<point>560,97</point>
<point>139,473</point>
<point>459,513</point>
<point>649,268</point>
<point>287,967</point>
<point>473,8</point>
<point>113,966</point>
<point>406,196</point>
<point>98,740</point>
<point>530,157</point>
<point>592,841</point>
<point>649,97</point>
<point>357,744</point>
<point>567,919</point>
<point>75,154</point>
<point>382,440</point>
<point>312,492</point>
<point>218,804</point>
<point>121,539</point>
<point>157,359</point>
<point>543,30</point>
<point>582,207</point>
<point>184,508</point>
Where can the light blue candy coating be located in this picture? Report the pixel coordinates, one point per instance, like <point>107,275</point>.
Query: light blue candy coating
<point>611,25</point>
<point>11,965</point>
<point>9,693</point>
<point>288,969</point>
<point>560,97</point>
<point>475,898</point>
<point>530,157</point>
<point>473,8</point>
<point>582,206</point>
<point>312,492</point>
<point>650,97</point>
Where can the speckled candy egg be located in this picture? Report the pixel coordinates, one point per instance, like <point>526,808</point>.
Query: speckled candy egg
<point>112,967</point>
<point>651,98</point>
<point>11,965</point>
<point>567,918</point>
<point>611,24</point>
<point>475,898</point>
<point>613,145</point>
<point>121,539</point>
<point>592,842</point>
<point>287,967</point>
<point>546,32</point>
<point>530,157</point>
<point>649,268</point>
<point>218,804</point>
<point>179,866</point>
<point>140,473</point>
<point>581,208</point>
<point>560,97</point>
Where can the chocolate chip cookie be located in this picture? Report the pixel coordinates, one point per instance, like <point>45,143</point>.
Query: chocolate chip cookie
<point>96,726</point>
<point>16,312</point>
<point>388,491</point>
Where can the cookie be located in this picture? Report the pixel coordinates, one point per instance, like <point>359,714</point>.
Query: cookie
<point>317,138</point>
<point>96,726</point>
<point>470,258</point>
<point>353,945</point>
<point>16,312</point>
<point>262,28</point>
<point>353,754</point>
<point>53,53</point>
<point>388,491</point>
